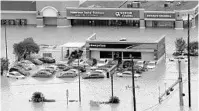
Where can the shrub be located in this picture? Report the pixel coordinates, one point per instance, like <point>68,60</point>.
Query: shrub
<point>4,64</point>
<point>94,62</point>
<point>37,97</point>
<point>114,99</point>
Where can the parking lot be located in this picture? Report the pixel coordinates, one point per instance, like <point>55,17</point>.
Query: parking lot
<point>13,90</point>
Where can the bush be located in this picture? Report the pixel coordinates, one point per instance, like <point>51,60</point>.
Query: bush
<point>94,62</point>
<point>4,64</point>
<point>114,99</point>
<point>37,97</point>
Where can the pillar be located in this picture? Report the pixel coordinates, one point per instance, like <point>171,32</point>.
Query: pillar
<point>40,22</point>
<point>179,24</point>
<point>142,24</point>
<point>193,22</point>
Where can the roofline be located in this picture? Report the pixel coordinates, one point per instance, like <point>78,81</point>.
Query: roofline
<point>7,11</point>
<point>105,8</point>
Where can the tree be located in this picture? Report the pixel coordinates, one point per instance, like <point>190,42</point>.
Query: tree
<point>4,64</point>
<point>180,45</point>
<point>193,47</point>
<point>24,48</point>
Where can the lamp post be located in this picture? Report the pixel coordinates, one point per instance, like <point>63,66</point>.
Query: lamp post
<point>133,83</point>
<point>189,74</point>
<point>78,55</point>
<point>6,44</point>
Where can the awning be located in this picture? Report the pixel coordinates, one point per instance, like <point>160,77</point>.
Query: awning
<point>73,45</point>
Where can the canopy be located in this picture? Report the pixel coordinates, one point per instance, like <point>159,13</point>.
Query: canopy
<point>73,45</point>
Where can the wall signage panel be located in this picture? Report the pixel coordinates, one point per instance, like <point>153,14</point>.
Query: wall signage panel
<point>122,46</point>
<point>102,13</point>
<point>160,15</point>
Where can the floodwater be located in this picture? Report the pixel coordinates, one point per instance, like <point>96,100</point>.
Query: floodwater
<point>16,93</point>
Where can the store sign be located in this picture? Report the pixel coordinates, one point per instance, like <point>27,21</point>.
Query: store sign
<point>97,45</point>
<point>122,46</point>
<point>86,13</point>
<point>102,12</point>
<point>124,14</point>
<point>160,15</point>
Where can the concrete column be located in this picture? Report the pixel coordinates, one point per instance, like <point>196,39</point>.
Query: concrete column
<point>142,24</point>
<point>179,25</point>
<point>193,23</point>
<point>40,22</point>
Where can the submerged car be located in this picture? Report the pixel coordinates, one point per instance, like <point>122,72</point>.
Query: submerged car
<point>15,74</point>
<point>47,60</point>
<point>61,66</point>
<point>128,74</point>
<point>95,74</point>
<point>151,65</point>
<point>20,70</point>
<point>140,63</point>
<point>81,62</point>
<point>102,62</point>
<point>42,74</point>
<point>67,74</point>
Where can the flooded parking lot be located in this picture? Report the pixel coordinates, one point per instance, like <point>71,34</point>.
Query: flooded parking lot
<point>16,93</point>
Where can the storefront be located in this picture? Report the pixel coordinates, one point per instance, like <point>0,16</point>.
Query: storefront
<point>147,51</point>
<point>104,16</point>
<point>160,19</point>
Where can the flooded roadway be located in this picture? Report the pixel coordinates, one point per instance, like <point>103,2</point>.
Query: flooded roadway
<point>16,93</point>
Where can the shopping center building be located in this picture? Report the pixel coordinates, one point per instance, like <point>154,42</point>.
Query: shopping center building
<point>139,47</point>
<point>71,13</point>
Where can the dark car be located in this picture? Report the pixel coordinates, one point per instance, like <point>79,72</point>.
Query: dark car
<point>61,66</point>
<point>20,70</point>
<point>47,60</point>
<point>43,73</point>
<point>82,69</point>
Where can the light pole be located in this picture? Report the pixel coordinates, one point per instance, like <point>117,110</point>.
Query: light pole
<point>6,44</point>
<point>133,83</point>
<point>189,74</point>
<point>78,55</point>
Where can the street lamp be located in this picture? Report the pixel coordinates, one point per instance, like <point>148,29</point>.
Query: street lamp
<point>6,44</point>
<point>189,74</point>
<point>133,83</point>
<point>78,55</point>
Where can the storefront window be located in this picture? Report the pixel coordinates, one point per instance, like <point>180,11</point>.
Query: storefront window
<point>105,54</point>
<point>136,55</point>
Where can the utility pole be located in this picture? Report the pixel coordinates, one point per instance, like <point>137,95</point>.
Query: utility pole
<point>189,74</point>
<point>133,84</point>
<point>180,84</point>
<point>79,79</point>
<point>6,44</point>
<point>111,85</point>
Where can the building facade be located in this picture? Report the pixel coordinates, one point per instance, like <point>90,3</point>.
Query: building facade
<point>68,13</point>
<point>146,51</point>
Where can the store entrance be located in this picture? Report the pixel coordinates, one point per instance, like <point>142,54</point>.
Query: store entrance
<point>77,22</point>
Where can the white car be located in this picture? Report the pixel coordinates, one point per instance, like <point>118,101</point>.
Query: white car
<point>140,63</point>
<point>128,74</point>
<point>15,74</point>
<point>182,58</point>
<point>81,62</point>
<point>102,62</point>
<point>151,65</point>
